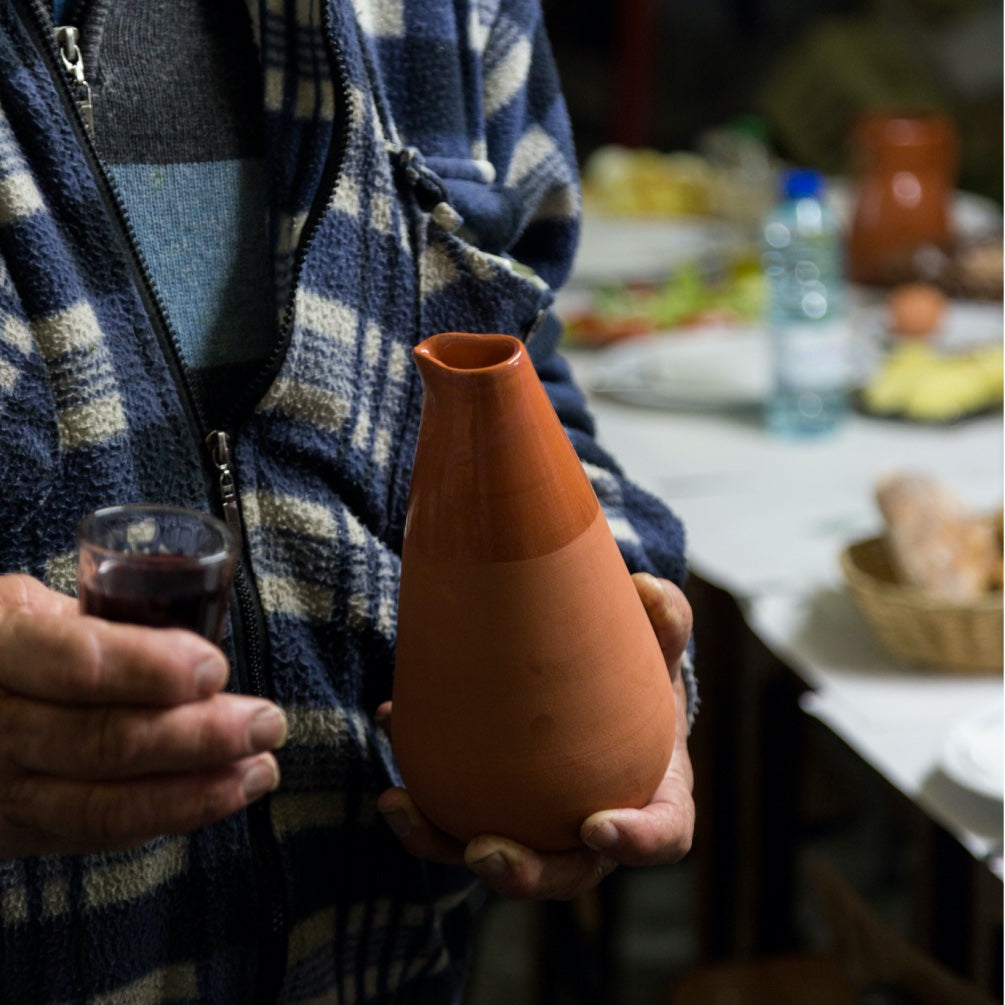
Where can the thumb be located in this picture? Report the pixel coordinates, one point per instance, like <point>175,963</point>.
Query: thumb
<point>668,610</point>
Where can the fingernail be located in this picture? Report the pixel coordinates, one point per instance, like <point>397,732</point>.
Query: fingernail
<point>604,836</point>
<point>261,777</point>
<point>493,866</point>
<point>398,821</point>
<point>211,674</point>
<point>267,729</point>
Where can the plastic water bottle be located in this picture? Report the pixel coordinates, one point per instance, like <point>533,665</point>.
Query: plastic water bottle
<point>807,322</point>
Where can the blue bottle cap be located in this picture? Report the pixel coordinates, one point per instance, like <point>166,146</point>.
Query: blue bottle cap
<point>802,183</point>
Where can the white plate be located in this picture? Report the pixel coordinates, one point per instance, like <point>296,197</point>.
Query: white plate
<point>974,755</point>
<point>703,368</point>
<point>616,249</point>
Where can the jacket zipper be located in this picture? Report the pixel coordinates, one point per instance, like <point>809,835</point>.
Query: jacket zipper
<point>250,641</point>
<point>73,63</point>
<point>218,444</point>
<point>272,967</point>
<point>249,657</point>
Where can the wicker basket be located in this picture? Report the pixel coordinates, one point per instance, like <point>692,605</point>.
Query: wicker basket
<point>916,626</point>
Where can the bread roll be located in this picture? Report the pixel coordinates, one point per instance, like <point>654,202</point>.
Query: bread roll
<point>934,541</point>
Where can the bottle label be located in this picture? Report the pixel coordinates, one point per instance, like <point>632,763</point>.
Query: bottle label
<point>812,356</point>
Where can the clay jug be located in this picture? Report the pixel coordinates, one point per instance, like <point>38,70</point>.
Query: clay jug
<point>529,687</point>
<point>906,174</point>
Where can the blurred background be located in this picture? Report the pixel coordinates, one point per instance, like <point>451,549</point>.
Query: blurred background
<point>661,73</point>
<point>685,111</point>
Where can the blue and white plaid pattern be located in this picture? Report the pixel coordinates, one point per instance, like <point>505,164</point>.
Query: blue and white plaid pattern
<point>451,169</point>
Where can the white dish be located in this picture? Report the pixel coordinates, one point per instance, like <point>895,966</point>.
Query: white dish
<point>621,249</point>
<point>713,367</point>
<point>616,249</point>
<point>974,755</point>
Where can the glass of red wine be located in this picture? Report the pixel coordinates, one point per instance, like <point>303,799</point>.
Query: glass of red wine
<point>156,565</point>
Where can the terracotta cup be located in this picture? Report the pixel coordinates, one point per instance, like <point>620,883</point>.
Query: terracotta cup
<point>529,688</point>
<point>906,173</point>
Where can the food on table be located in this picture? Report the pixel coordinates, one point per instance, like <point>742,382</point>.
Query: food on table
<point>730,178</point>
<point>935,541</point>
<point>595,329</point>
<point>688,298</point>
<point>917,381</point>
<point>995,521</point>
<point>976,269</point>
<point>916,309</point>
<point>970,270</point>
<point>646,182</point>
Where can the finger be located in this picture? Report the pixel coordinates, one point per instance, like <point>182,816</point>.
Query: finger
<point>83,659</point>
<point>383,716</point>
<point>18,590</point>
<point>118,741</point>
<point>416,834</point>
<point>661,832</point>
<point>41,814</point>
<point>669,612</point>
<point>658,834</point>
<point>518,873</point>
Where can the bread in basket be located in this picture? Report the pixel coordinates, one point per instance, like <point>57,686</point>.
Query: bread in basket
<point>931,585</point>
<point>920,627</point>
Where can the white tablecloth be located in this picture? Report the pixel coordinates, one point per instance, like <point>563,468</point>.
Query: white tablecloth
<point>902,720</point>
<point>766,514</point>
<point>766,519</point>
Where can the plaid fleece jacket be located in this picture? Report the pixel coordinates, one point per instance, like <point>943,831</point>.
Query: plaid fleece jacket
<point>418,150</point>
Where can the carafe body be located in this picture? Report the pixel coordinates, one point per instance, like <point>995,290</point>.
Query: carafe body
<point>529,689</point>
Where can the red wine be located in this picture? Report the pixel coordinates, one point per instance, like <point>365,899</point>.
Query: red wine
<point>162,591</point>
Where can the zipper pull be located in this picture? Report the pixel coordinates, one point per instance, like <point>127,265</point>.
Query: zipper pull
<point>73,61</point>
<point>218,443</point>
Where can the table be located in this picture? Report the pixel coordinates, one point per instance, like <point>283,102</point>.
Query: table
<point>895,718</point>
<point>766,519</point>
<point>770,515</point>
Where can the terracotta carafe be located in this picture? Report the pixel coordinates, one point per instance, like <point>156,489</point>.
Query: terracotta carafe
<point>905,179</point>
<point>529,687</point>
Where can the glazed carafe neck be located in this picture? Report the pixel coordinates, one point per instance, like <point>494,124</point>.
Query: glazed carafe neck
<point>490,459</point>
